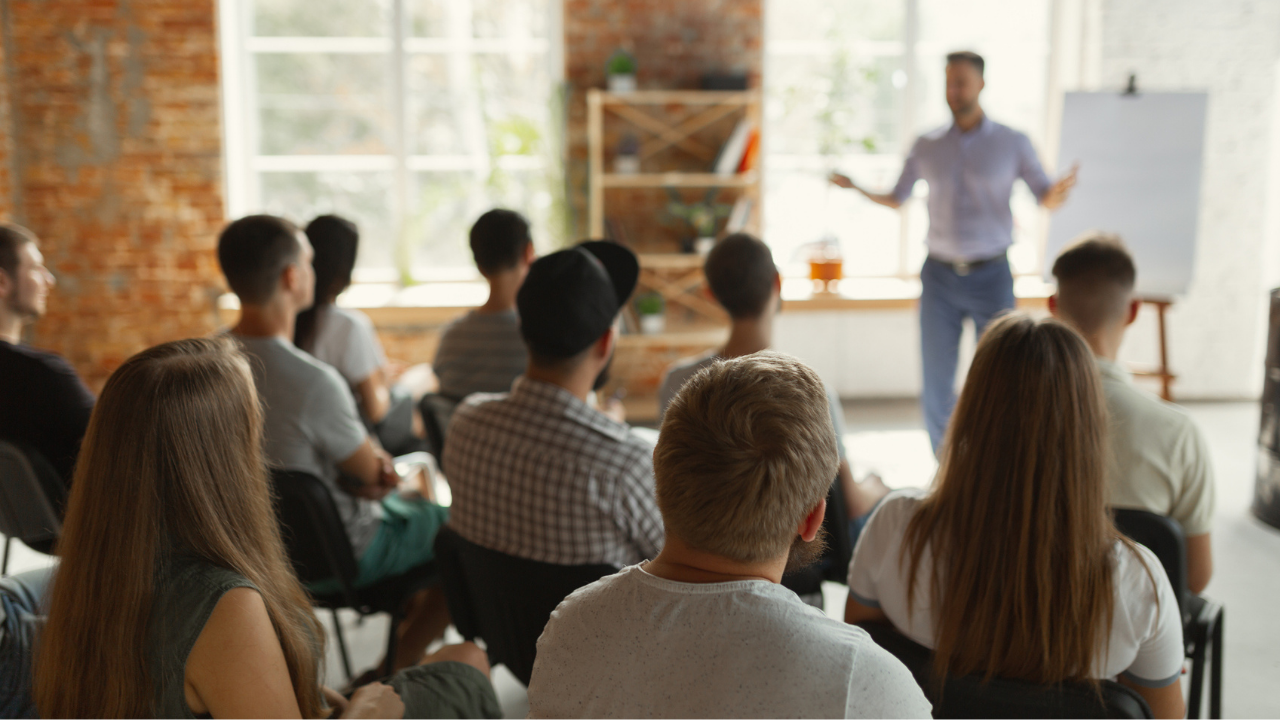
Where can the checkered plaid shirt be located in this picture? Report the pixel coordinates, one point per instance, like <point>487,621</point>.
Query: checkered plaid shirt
<point>539,474</point>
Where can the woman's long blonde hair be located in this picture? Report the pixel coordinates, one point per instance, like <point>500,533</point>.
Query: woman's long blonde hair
<point>172,462</point>
<point>1017,520</point>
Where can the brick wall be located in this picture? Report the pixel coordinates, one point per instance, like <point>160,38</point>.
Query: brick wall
<point>7,199</point>
<point>115,116</point>
<point>675,42</point>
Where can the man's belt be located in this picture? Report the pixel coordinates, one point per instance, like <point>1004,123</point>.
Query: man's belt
<point>964,267</point>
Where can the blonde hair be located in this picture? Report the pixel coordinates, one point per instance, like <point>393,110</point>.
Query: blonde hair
<point>746,451</point>
<point>1017,519</point>
<point>172,462</point>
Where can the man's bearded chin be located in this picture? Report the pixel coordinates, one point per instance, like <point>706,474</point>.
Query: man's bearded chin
<point>803,554</point>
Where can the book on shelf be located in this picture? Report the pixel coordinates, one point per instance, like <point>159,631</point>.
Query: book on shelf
<point>751,154</point>
<point>734,148</point>
<point>738,216</point>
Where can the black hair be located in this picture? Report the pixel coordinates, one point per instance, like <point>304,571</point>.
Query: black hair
<point>498,240</point>
<point>335,241</point>
<point>967,56</point>
<point>253,251</point>
<point>741,273</point>
<point>1096,259</point>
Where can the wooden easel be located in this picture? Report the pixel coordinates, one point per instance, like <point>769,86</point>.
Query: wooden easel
<point>1162,370</point>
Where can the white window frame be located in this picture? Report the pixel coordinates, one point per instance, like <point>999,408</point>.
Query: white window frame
<point>242,163</point>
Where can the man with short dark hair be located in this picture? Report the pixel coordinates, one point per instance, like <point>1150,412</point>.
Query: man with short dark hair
<point>971,166</point>
<point>745,281</point>
<point>310,421</point>
<point>539,473</point>
<point>482,351</point>
<point>44,406</point>
<point>1160,461</point>
<point>705,629</point>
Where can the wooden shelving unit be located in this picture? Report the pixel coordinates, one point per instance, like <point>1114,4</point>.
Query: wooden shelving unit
<point>671,119</point>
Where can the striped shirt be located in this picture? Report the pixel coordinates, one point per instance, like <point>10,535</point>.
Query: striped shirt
<point>480,353</point>
<point>539,474</point>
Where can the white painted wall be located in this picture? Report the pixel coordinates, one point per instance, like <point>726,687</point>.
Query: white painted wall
<point>1217,332</point>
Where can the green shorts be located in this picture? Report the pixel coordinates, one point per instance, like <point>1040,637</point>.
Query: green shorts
<point>405,539</point>
<point>445,690</point>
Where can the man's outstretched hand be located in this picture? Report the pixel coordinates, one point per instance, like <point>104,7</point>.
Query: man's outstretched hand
<point>1060,190</point>
<point>842,180</point>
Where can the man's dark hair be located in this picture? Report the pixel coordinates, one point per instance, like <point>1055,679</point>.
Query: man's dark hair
<point>498,240</point>
<point>1096,276</point>
<point>966,56</point>
<point>253,251</point>
<point>741,274</point>
<point>13,237</point>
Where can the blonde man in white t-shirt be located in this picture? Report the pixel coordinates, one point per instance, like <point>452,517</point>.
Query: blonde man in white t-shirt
<point>742,468</point>
<point>1160,460</point>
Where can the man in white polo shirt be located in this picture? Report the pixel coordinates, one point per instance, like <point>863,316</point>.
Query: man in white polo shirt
<point>1160,459</point>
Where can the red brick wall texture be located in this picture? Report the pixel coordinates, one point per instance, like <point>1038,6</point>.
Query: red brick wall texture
<point>115,132</point>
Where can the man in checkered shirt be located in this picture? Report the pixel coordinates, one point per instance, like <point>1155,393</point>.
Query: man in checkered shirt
<point>538,473</point>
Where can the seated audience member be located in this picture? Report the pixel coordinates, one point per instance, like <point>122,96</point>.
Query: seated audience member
<point>482,351</point>
<point>1160,461</point>
<point>1010,566</point>
<point>346,339</point>
<point>22,606</point>
<point>311,423</point>
<point>174,593</point>
<point>743,464</point>
<point>44,405</point>
<point>744,280</point>
<point>538,473</point>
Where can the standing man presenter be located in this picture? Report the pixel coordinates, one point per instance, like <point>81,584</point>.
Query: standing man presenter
<point>970,165</point>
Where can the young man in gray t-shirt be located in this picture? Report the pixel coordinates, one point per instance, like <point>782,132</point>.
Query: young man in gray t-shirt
<point>310,422</point>
<point>483,351</point>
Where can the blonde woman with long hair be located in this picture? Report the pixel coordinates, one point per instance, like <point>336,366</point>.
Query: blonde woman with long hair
<point>174,597</point>
<point>1010,565</point>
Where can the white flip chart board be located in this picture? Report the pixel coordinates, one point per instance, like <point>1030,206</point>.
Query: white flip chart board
<point>1140,158</point>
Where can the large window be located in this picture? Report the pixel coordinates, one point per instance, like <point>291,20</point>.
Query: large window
<point>849,84</point>
<point>411,117</point>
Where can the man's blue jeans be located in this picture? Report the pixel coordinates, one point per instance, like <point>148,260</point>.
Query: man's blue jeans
<point>946,299</point>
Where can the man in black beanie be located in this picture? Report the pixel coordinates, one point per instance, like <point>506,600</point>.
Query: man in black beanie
<point>538,473</point>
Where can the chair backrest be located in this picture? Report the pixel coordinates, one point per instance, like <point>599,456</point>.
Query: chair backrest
<point>1163,536</point>
<point>26,511</point>
<point>834,563</point>
<point>436,411</point>
<point>505,599</point>
<point>973,697</point>
<point>314,535</point>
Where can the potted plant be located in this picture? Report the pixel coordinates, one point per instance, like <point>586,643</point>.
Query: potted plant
<point>627,161</point>
<point>703,216</point>
<point>621,72</point>
<point>652,309</point>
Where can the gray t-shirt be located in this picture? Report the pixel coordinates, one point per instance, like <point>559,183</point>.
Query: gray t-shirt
<point>311,424</point>
<point>480,353</point>
<point>637,645</point>
<point>679,374</point>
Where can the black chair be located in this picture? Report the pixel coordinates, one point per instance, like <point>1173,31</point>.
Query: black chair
<point>26,510</point>
<point>504,599</point>
<point>1202,618</point>
<point>973,697</point>
<point>834,563</point>
<point>319,549</point>
<point>436,411</point>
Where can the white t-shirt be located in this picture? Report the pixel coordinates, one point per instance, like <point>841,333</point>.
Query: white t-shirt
<point>346,340</point>
<point>1146,642</point>
<point>636,645</point>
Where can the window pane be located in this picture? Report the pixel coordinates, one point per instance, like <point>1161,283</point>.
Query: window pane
<point>832,104</point>
<point>807,20</point>
<point>477,18</point>
<point>323,104</point>
<point>477,105</point>
<point>321,18</point>
<point>362,197</point>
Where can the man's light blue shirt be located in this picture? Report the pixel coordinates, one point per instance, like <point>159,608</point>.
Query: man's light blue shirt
<point>971,176</point>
